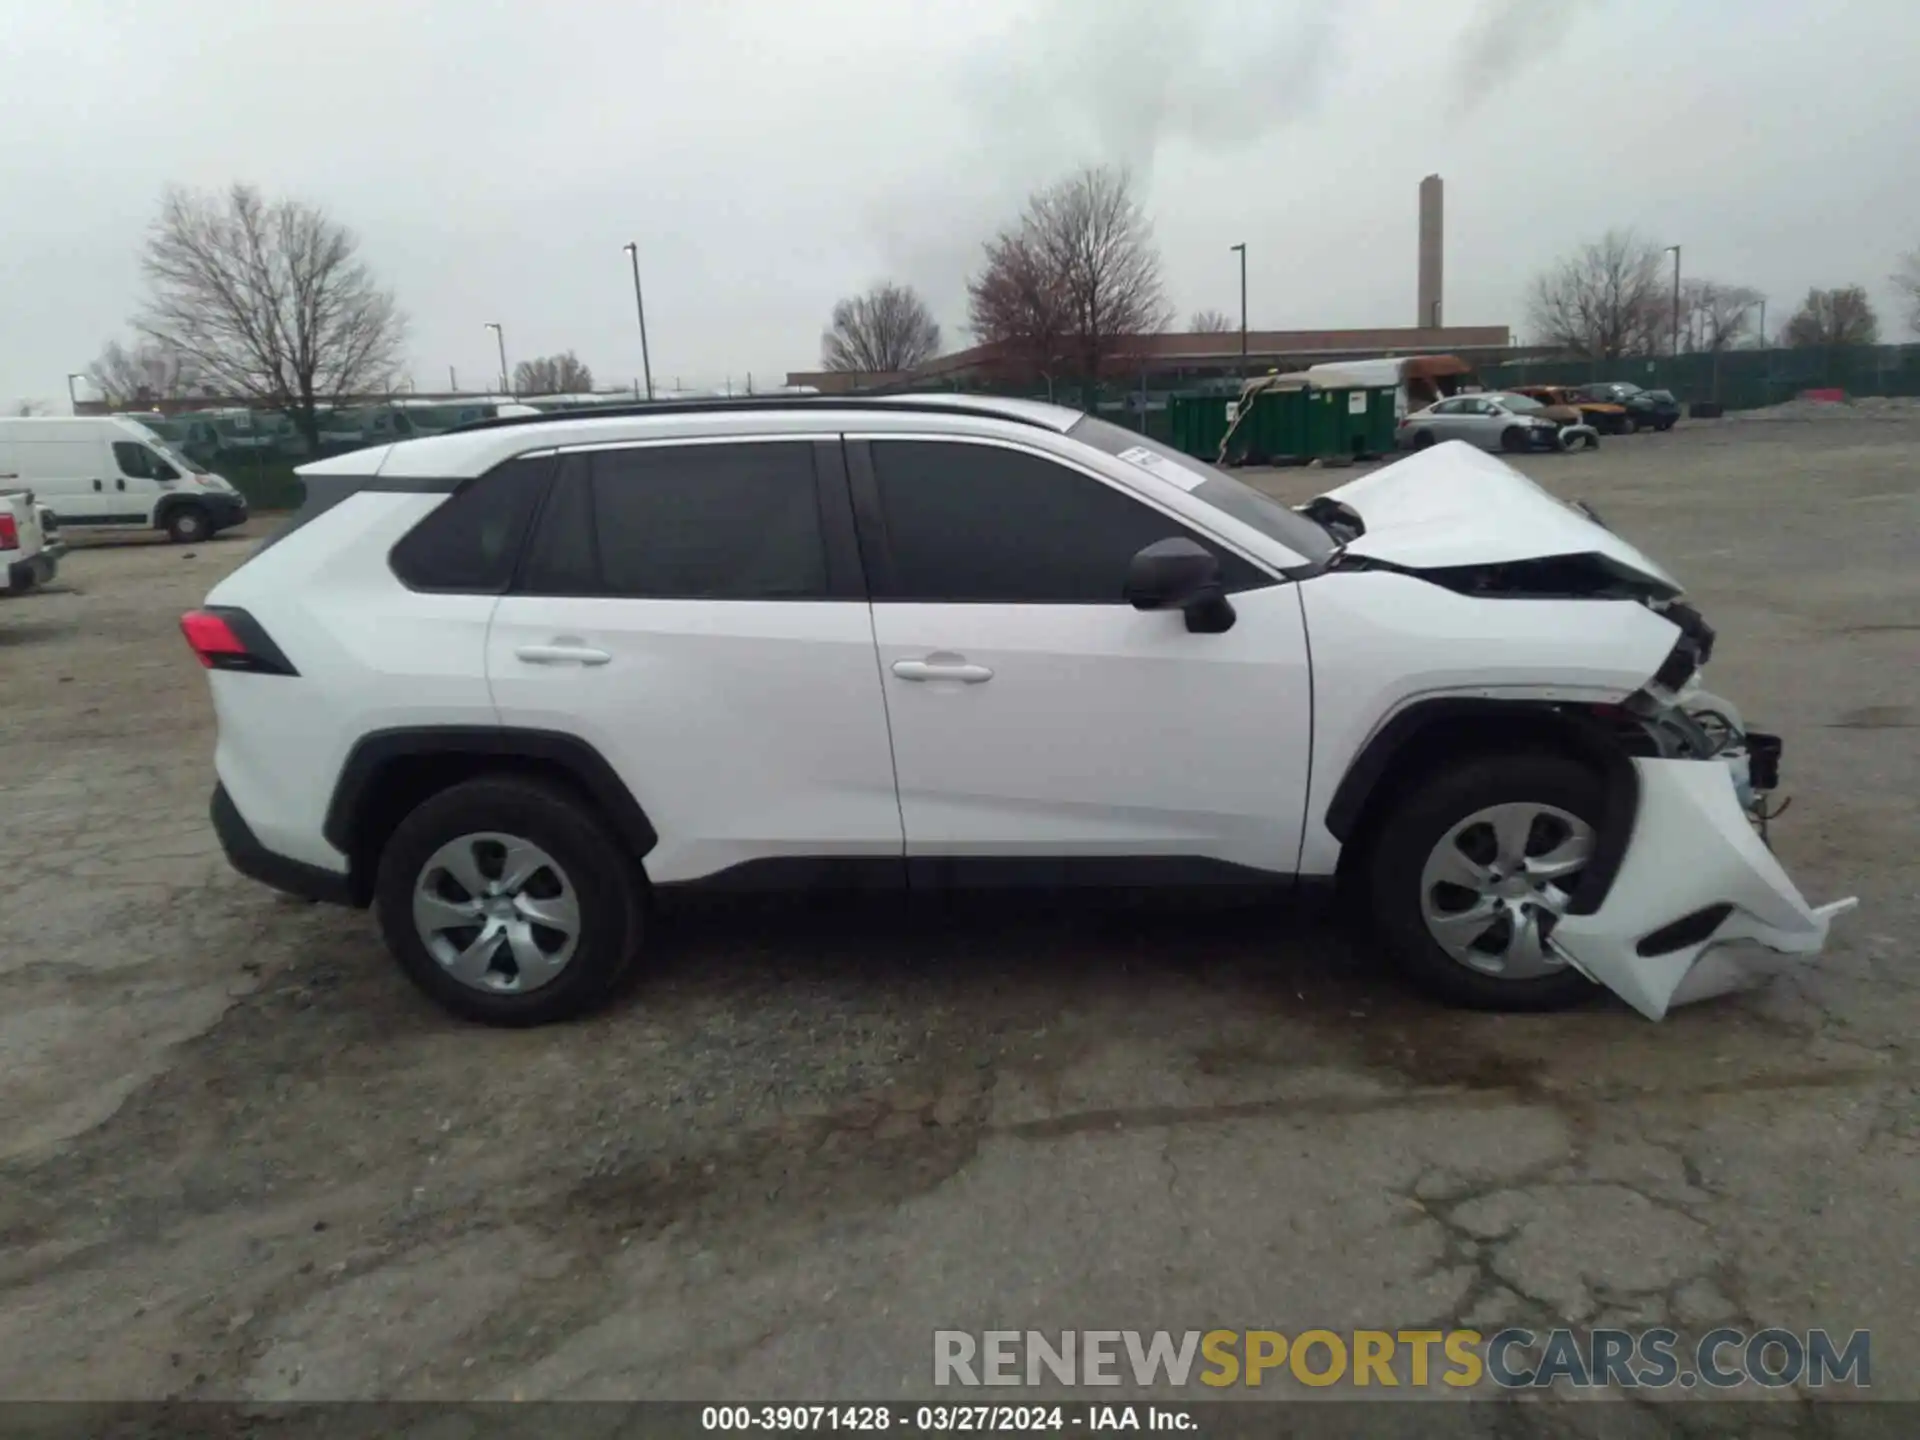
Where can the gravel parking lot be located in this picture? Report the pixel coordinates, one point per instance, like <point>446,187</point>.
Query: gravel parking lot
<point>240,1157</point>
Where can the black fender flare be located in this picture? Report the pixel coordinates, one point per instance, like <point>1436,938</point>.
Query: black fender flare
<point>576,758</point>
<point>1429,722</point>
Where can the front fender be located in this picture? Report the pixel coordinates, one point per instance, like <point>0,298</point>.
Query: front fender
<point>1697,898</point>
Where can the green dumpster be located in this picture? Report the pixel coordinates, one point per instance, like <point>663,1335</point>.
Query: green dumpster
<point>1198,423</point>
<point>1275,429</point>
<point>1351,421</point>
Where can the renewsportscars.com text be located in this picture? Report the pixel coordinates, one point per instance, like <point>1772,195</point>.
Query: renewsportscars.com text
<point>1513,1358</point>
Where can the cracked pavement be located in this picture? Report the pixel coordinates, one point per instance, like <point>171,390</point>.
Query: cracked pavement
<point>240,1158</point>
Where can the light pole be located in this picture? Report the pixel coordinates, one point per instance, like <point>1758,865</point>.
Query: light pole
<point>506,380</point>
<point>72,400</point>
<point>1242,248</point>
<point>646,362</point>
<point>1676,299</point>
<point>1763,324</point>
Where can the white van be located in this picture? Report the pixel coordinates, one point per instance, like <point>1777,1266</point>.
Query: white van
<point>99,472</point>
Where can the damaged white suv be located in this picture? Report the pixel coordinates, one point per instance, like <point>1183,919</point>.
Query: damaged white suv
<point>505,683</point>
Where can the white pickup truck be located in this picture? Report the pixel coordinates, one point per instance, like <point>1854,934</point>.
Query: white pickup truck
<point>30,543</point>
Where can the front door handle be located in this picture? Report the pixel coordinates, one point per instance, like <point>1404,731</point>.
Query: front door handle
<point>562,655</point>
<point>942,670</point>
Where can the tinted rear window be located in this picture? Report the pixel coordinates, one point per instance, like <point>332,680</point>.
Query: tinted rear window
<point>705,522</point>
<point>471,543</point>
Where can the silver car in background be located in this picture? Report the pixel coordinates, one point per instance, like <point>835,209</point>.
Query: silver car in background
<point>1494,420</point>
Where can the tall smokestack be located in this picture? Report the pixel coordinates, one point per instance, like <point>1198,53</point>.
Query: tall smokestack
<point>1432,245</point>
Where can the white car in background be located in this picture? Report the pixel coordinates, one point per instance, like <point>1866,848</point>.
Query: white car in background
<point>504,682</point>
<point>1493,420</point>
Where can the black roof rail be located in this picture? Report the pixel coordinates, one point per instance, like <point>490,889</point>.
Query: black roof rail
<point>891,406</point>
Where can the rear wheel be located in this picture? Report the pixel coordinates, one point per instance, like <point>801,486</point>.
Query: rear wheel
<point>1422,439</point>
<point>508,901</point>
<point>1472,870</point>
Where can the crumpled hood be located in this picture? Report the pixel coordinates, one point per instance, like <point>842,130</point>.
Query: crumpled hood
<point>1452,504</point>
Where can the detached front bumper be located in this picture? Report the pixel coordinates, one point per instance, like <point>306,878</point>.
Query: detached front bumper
<point>1699,905</point>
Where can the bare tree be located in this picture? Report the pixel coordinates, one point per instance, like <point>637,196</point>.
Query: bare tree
<point>1714,316</point>
<point>269,301</point>
<point>1018,304</point>
<point>562,374</point>
<point>1606,301</point>
<point>1079,274</point>
<point>1907,281</point>
<point>142,373</point>
<point>1210,322</point>
<point>886,330</point>
<point>26,409</point>
<point>1834,317</point>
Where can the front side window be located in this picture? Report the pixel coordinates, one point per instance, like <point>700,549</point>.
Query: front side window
<point>983,523</point>
<point>470,542</point>
<point>135,461</point>
<point>692,522</point>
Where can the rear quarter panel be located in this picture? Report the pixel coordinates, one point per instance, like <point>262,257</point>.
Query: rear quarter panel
<point>371,655</point>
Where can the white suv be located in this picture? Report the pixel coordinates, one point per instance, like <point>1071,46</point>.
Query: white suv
<point>504,682</point>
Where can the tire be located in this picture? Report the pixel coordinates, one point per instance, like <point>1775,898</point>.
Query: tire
<point>576,872</point>
<point>1422,439</point>
<point>1514,440</point>
<point>188,525</point>
<point>1591,442</point>
<point>1633,425</point>
<point>1412,853</point>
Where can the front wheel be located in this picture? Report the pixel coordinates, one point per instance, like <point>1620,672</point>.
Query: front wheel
<point>508,901</point>
<point>188,525</point>
<point>1514,439</point>
<point>1472,870</point>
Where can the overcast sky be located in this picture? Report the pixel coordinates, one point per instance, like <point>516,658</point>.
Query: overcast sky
<point>770,156</point>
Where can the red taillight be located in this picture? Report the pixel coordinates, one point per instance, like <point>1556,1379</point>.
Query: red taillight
<point>226,638</point>
<point>209,635</point>
<point>9,533</point>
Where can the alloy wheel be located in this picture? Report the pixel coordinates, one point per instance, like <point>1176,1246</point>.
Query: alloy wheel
<point>497,912</point>
<point>1496,881</point>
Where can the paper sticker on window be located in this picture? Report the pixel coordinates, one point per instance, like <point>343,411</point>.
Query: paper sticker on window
<point>1160,465</point>
<point>1357,403</point>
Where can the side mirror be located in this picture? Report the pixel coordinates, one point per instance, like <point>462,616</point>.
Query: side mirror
<point>1177,574</point>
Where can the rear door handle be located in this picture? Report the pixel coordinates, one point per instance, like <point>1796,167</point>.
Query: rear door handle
<point>935,670</point>
<point>562,655</point>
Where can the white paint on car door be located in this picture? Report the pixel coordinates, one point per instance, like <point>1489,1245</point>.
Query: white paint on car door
<point>676,622</point>
<point>1063,722</point>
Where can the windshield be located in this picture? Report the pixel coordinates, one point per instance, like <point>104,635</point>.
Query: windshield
<point>1216,488</point>
<point>1623,389</point>
<point>1519,404</point>
<point>179,461</point>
